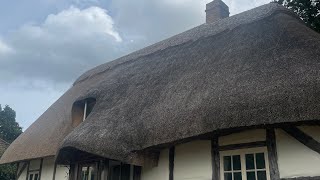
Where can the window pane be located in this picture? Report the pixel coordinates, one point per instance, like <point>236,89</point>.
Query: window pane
<point>260,161</point>
<point>251,176</point>
<point>237,176</point>
<point>125,172</point>
<point>249,161</point>
<point>31,177</point>
<point>236,162</point>
<point>84,173</point>
<point>36,176</point>
<point>262,175</point>
<point>91,173</point>
<point>227,163</point>
<point>227,176</point>
<point>115,172</point>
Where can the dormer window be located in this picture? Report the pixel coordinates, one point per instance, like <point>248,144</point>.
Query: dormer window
<point>81,110</point>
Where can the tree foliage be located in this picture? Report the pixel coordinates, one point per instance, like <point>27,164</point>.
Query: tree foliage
<point>9,131</point>
<point>307,10</point>
<point>9,128</point>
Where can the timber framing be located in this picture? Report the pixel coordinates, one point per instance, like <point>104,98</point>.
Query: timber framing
<point>25,164</point>
<point>54,171</point>
<point>171,162</point>
<point>302,178</point>
<point>215,158</point>
<point>41,163</point>
<point>303,138</point>
<point>272,154</point>
<point>28,169</point>
<point>243,145</point>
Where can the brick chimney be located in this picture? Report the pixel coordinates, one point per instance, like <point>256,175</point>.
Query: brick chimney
<point>216,10</point>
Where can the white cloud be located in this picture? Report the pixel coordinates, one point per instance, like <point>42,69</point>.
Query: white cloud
<point>76,22</point>
<point>153,20</point>
<point>62,47</point>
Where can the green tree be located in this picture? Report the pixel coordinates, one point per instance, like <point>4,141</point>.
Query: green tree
<point>307,10</point>
<point>9,131</point>
<point>9,128</point>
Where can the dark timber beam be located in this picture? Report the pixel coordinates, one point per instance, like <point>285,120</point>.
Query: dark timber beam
<point>28,169</point>
<point>303,138</point>
<point>243,145</point>
<point>171,162</point>
<point>54,171</point>
<point>40,170</point>
<point>302,178</point>
<point>272,154</point>
<point>215,158</point>
<point>22,169</point>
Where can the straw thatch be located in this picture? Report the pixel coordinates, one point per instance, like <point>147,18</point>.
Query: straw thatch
<point>258,67</point>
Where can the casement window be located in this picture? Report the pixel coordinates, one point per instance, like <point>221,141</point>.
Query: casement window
<point>120,171</point>
<point>33,175</point>
<point>87,108</point>
<point>114,170</point>
<point>244,164</point>
<point>88,171</point>
<point>81,110</point>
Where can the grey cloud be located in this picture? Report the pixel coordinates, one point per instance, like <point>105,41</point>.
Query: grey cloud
<point>64,46</point>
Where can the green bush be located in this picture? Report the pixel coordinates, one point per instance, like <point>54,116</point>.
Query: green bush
<point>8,172</point>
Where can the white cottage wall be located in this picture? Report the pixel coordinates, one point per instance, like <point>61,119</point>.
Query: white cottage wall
<point>243,137</point>
<point>47,168</point>
<point>46,171</point>
<point>294,158</point>
<point>62,172</point>
<point>192,161</point>
<point>160,172</point>
<point>23,175</point>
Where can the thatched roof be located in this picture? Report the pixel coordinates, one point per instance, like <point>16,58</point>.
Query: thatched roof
<point>258,67</point>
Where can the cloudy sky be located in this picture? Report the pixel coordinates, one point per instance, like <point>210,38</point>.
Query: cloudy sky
<point>46,44</point>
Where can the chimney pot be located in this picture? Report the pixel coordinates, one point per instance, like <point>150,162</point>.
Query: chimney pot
<point>216,10</point>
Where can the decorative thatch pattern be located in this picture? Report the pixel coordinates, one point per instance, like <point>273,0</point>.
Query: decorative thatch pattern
<point>258,67</point>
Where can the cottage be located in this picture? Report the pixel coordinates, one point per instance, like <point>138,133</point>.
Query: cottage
<point>236,98</point>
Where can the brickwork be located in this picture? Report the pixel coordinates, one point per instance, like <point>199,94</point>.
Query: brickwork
<point>216,10</point>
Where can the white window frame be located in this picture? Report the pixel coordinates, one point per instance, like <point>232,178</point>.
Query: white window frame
<point>34,173</point>
<point>242,153</point>
<point>85,111</point>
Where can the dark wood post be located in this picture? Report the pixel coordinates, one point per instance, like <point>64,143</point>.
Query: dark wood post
<point>41,162</point>
<point>272,154</point>
<point>215,158</point>
<point>171,162</point>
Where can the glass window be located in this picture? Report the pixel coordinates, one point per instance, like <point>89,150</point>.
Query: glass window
<point>236,162</point>
<point>246,164</point>
<point>88,171</point>
<point>232,167</point>
<point>34,175</point>
<point>227,163</point>
<point>249,161</point>
<point>119,171</point>
<point>260,161</point>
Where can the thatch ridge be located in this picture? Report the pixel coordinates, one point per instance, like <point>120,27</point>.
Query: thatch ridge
<point>193,34</point>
